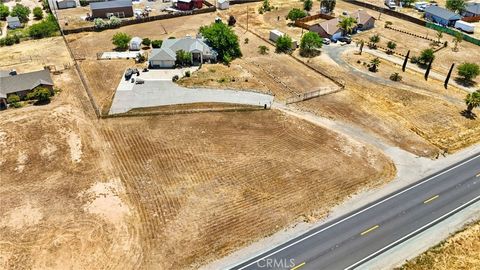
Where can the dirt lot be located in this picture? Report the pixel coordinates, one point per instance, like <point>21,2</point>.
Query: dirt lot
<point>460,251</point>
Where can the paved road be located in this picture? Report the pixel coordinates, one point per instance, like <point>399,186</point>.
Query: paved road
<point>349,241</point>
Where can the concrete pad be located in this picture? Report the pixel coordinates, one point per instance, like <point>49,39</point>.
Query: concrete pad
<point>120,55</point>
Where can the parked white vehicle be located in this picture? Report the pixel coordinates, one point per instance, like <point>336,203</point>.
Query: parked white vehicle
<point>465,26</point>
<point>420,6</point>
<point>391,4</point>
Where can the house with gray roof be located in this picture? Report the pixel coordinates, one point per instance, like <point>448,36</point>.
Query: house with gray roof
<point>472,9</point>
<point>13,22</point>
<point>165,56</point>
<point>441,16</point>
<point>21,84</point>
<point>117,8</point>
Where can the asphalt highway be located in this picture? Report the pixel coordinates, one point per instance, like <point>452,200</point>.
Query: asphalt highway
<point>353,239</point>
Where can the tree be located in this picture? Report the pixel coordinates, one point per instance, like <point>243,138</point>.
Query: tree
<point>426,56</point>
<point>265,7</point>
<point>374,40</point>
<point>327,6</point>
<point>391,47</point>
<point>395,77</point>
<point>222,39</point>
<point>439,35</point>
<point>13,99</point>
<point>374,63</point>
<point>472,100</point>
<point>262,49</point>
<point>146,42</point>
<point>121,40</point>
<point>458,38</point>
<point>455,5</point>
<point>347,24</point>
<point>114,22</point>
<point>231,21</point>
<point>157,43</point>
<point>307,5</point>
<point>295,14</point>
<point>45,28</point>
<point>468,71</point>
<point>21,12</point>
<point>310,43</point>
<point>408,3</point>
<point>38,13</point>
<point>4,11</point>
<point>184,58</point>
<point>283,44</point>
<point>42,95</point>
<point>99,23</point>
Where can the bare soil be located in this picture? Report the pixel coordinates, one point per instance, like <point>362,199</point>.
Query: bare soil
<point>460,251</point>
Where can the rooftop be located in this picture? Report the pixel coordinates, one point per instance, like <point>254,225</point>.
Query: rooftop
<point>442,13</point>
<point>111,4</point>
<point>473,8</point>
<point>26,81</point>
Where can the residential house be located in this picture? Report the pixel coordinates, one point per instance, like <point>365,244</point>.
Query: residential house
<point>472,9</point>
<point>63,4</point>
<point>223,4</point>
<point>441,16</point>
<point>165,56</point>
<point>117,8</point>
<point>13,22</point>
<point>21,84</point>
<point>188,4</point>
<point>135,44</point>
<point>330,29</point>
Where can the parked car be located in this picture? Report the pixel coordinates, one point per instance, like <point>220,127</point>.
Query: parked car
<point>345,39</point>
<point>326,41</point>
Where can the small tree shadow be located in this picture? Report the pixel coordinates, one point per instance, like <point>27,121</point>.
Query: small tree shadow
<point>468,115</point>
<point>465,83</point>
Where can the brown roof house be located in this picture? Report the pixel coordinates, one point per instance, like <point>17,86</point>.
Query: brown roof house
<point>21,84</point>
<point>330,29</point>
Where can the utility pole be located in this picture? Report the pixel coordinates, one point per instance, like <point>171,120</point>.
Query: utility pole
<point>247,18</point>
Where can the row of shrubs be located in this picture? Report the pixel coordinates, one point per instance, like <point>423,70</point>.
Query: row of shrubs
<point>40,95</point>
<point>46,28</point>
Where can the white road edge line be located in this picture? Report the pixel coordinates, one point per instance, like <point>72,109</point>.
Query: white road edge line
<point>357,213</point>
<point>408,235</point>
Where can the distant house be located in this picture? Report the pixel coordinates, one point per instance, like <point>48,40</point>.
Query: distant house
<point>441,16</point>
<point>63,4</point>
<point>471,10</point>
<point>135,44</point>
<point>117,8</point>
<point>21,84</point>
<point>13,22</point>
<point>188,4</point>
<point>166,56</point>
<point>223,4</point>
<point>330,29</point>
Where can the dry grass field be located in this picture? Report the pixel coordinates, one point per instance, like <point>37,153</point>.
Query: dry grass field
<point>460,251</point>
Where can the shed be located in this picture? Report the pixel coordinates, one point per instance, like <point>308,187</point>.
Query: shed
<point>117,8</point>
<point>13,22</point>
<point>441,16</point>
<point>471,10</point>
<point>63,4</point>
<point>275,34</point>
<point>135,44</point>
<point>223,4</point>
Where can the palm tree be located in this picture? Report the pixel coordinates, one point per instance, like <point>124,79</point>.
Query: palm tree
<point>347,24</point>
<point>391,47</point>
<point>472,100</point>
<point>374,63</point>
<point>439,36</point>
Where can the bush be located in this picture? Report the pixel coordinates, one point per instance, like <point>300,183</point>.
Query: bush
<point>262,49</point>
<point>184,58</point>
<point>468,71</point>
<point>307,5</point>
<point>146,42</point>
<point>246,40</point>
<point>43,95</point>
<point>187,73</point>
<point>21,12</point>
<point>38,13</point>
<point>395,77</point>
<point>157,43</point>
<point>295,14</point>
<point>13,99</point>
<point>231,21</point>
<point>171,37</point>
<point>114,22</point>
<point>141,58</point>
<point>4,11</point>
<point>83,3</point>
<point>283,44</point>
<point>45,28</point>
<point>99,23</point>
<point>9,40</point>
<point>121,40</point>
<point>175,78</point>
<point>426,56</point>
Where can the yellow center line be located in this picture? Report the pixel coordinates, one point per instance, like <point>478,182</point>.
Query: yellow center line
<point>431,199</point>
<point>369,230</point>
<point>298,266</point>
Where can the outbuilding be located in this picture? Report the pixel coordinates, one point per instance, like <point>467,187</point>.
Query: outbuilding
<point>117,8</point>
<point>13,22</point>
<point>223,4</point>
<point>63,4</point>
<point>471,10</point>
<point>135,44</point>
<point>441,16</point>
<point>189,4</point>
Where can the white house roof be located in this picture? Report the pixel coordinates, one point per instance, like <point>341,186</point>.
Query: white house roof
<point>12,19</point>
<point>164,54</point>
<point>171,46</point>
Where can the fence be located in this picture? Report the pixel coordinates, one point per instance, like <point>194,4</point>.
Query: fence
<point>388,12</point>
<point>312,94</point>
<point>236,2</point>
<point>210,8</point>
<point>471,19</point>
<point>408,33</point>
<point>302,22</point>
<point>453,33</point>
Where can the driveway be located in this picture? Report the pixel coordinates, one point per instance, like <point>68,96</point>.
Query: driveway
<point>161,91</point>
